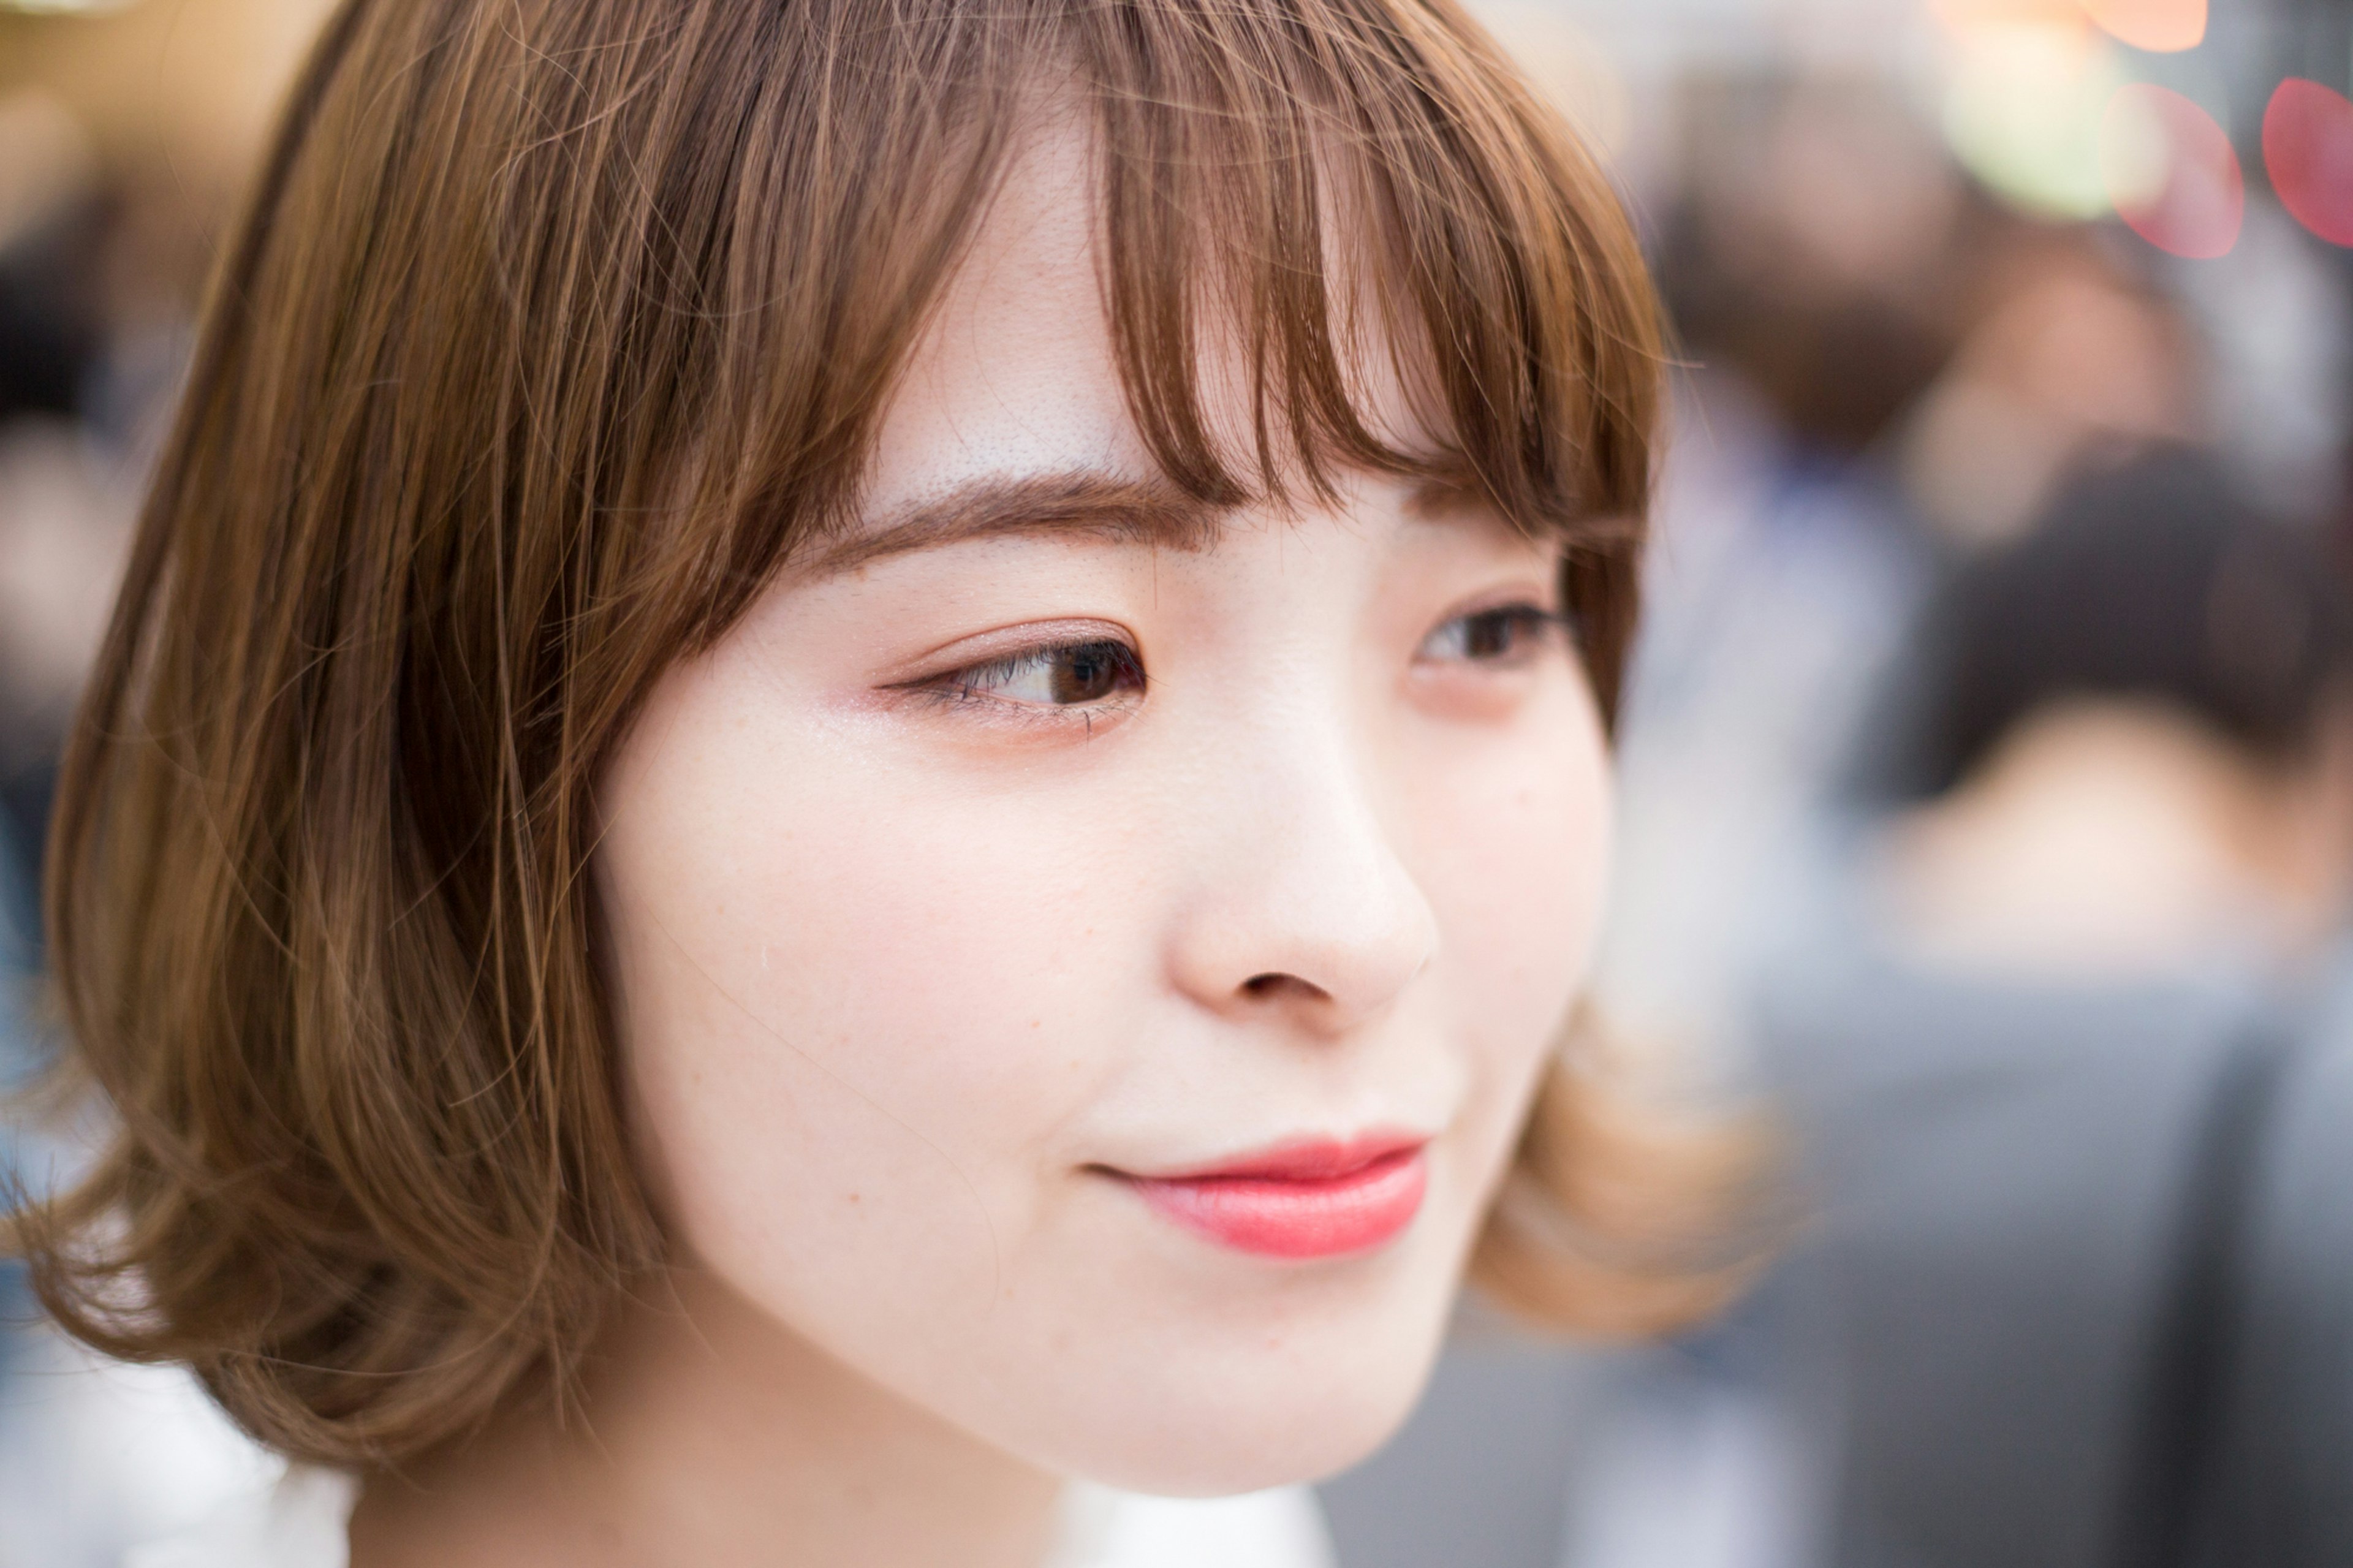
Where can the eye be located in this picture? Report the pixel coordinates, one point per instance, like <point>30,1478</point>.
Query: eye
<point>1504,635</point>
<point>1062,675</point>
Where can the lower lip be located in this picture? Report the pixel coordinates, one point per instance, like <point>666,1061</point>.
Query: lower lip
<point>1317,1216</point>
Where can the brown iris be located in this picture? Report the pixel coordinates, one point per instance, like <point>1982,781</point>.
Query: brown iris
<point>1091,672</point>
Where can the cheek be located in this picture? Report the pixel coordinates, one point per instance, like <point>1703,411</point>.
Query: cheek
<point>854,1040</point>
<point>1515,847</point>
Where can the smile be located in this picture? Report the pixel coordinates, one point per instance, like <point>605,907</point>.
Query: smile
<point>1314,1199</point>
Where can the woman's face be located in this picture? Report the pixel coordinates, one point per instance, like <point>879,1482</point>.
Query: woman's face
<point>1083,958</point>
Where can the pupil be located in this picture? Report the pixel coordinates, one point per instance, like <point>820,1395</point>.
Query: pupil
<point>1490,634</point>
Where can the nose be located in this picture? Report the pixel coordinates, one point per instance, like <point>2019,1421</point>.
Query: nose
<point>1302,906</point>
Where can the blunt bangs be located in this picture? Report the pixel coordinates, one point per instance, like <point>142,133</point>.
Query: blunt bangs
<point>1322,192</point>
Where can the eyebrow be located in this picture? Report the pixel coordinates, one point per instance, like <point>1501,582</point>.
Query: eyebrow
<point>1077,502</point>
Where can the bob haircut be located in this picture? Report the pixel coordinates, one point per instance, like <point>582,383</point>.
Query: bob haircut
<point>554,327</point>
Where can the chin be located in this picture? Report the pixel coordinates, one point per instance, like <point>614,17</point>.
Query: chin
<point>1282,1408</point>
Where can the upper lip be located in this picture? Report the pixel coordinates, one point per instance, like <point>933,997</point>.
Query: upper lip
<point>1313,1158</point>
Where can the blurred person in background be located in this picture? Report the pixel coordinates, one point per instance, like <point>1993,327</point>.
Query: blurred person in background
<point>1891,372</point>
<point>1809,266</point>
<point>2070,356</point>
<point>1896,375</point>
<point>2124,751</point>
<point>2029,1032</point>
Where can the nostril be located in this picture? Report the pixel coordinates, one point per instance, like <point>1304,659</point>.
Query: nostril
<point>1274,984</point>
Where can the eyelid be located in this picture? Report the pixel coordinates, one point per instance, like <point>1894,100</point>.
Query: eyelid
<point>1541,597</point>
<point>1004,643</point>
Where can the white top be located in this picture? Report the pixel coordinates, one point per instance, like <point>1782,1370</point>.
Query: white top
<point>301,1522</point>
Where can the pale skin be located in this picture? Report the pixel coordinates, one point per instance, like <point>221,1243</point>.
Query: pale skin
<point>986,864</point>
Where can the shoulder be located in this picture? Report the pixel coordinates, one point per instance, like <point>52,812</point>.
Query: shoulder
<point>1282,1528</point>
<point>302,1521</point>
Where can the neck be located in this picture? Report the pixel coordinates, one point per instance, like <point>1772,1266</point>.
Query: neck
<point>2107,839</point>
<point>709,1434</point>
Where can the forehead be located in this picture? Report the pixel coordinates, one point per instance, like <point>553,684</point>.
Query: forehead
<point>1016,372</point>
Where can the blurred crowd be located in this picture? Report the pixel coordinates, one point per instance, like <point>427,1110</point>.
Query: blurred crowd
<point>1988,772</point>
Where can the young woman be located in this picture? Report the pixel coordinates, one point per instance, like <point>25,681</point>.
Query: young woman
<point>855,762</point>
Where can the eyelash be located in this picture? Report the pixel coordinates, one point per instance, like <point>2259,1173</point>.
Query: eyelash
<point>1100,659</point>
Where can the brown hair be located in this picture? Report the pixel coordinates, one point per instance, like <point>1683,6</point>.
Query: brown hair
<point>555,325</point>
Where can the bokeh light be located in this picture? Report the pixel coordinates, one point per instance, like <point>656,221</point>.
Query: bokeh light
<point>2171,172</point>
<point>2024,111</point>
<point>1970,18</point>
<point>2161,26</point>
<point>2308,153</point>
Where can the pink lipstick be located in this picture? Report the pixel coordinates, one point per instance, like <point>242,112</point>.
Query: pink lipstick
<point>1316,1198</point>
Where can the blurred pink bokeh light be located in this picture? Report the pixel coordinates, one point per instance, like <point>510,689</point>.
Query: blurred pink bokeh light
<point>2308,152</point>
<point>2192,197</point>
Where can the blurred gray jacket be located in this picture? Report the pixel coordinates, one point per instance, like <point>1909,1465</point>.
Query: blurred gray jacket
<point>2081,1294</point>
<point>2002,1177</point>
<point>2271,1471</point>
